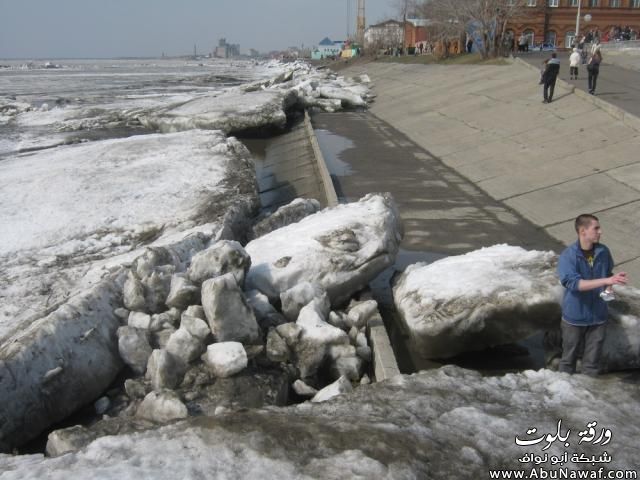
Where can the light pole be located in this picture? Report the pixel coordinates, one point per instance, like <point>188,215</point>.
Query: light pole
<point>578,23</point>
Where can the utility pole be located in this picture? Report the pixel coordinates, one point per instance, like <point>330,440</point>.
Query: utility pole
<point>360,22</point>
<point>404,27</point>
<point>348,19</point>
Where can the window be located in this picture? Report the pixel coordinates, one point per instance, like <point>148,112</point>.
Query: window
<point>531,3</point>
<point>569,38</point>
<point>593,3</point>
<point>635,4</point>
<point>550,38</point>
<point>511,3</point>
<point>552,3</point>
<point>530,37</point>
<point>614,3</point>
<point>574,3</point>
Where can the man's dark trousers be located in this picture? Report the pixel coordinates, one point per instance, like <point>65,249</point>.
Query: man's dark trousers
<point>549,86</point>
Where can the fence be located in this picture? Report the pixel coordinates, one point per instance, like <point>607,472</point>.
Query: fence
<point>621,45</point>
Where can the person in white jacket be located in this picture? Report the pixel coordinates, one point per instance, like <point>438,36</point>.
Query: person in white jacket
<point>574,61</point>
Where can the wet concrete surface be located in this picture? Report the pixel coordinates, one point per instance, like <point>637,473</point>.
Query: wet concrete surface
<point>443,214</point>
<point>285,168</point>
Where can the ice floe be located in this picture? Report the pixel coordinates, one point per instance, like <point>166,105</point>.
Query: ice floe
<point>488,297</point>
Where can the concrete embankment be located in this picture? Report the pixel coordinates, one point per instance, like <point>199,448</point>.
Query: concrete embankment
<point>289,166</point>
<point>497,159</point>
<point>293,165</point>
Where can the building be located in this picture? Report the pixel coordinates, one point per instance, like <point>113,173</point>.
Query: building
<point>327,49</point>
<point>415,31</point>
<point>554,21</point>
<point>226,50</point>
<point>384,35</point>
<point>389,34</point>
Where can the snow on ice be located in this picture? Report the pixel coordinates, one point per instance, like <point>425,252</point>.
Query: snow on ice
<point>444,423</point>
<point>66,208</point>
<point>339,249</point>
<point>487,297</point>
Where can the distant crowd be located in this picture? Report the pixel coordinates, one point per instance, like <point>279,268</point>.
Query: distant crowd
<point>620,34</point>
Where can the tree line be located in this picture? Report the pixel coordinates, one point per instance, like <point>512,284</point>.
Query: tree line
<point>484,20</point>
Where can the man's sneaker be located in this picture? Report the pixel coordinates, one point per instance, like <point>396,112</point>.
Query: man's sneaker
<point>607,296</point>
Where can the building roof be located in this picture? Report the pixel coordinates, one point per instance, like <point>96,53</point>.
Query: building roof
<point>385,23</point>
<point>419,22</point>
<point>326,41</point>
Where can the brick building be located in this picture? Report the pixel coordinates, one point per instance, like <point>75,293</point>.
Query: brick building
<point>554,21</point>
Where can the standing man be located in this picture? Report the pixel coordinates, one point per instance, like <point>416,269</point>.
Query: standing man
<point>585,271</point>
<point>549,76</point>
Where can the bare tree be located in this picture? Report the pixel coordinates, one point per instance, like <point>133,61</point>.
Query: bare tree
<point>407,9</point>
<point>484,20</point>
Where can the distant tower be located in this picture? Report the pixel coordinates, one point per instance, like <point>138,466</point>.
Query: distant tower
<point>360,24</point>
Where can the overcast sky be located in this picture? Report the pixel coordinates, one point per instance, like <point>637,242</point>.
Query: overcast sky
<point>114,28</point>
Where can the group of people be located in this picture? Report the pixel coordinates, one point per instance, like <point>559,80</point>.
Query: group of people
<point>620,34</point>
<point>551,69</point>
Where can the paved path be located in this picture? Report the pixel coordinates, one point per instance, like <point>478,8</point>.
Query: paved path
<point>616,85</point>
<point>487,153</point>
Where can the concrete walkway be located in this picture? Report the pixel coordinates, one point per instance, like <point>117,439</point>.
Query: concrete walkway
<point>485,127</point>
<point>618,82</point>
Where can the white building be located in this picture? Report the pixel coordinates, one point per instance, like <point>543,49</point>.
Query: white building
<point>384,35</point>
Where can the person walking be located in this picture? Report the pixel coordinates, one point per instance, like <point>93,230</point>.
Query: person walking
<point>549,76</point>
<point>522,43</point>
<point>585,271</point>
<point>593,69</point>
<point>574,61</point>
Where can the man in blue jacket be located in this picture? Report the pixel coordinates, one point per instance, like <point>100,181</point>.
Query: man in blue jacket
<point>585,271</point>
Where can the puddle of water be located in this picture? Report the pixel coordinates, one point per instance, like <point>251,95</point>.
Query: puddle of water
<point>272,193</point>
<point>332,146</point>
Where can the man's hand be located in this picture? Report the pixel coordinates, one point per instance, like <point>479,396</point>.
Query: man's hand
<point>618,279</point>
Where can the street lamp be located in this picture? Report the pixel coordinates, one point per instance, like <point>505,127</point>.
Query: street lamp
<point>578,22</point>
<point>587,19</point>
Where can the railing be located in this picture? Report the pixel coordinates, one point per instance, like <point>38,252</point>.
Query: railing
<point>621,45</point>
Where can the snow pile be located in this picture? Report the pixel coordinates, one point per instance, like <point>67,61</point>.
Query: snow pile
<point>64,209</point>
<point>487,297</point>
<point>74,217</point>
<point>445,423</point>
<point>285,215</point>
<point>9,109</point>
<point>621,348</point>
<point>208,338</point>
<point>263,104</point>
<point>232,111</point>
<point>340,249</point>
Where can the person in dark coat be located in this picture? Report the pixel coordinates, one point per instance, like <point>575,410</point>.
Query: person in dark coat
<point>549,77</point>
<point>593,69</point>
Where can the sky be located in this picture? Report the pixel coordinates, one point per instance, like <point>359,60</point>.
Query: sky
<point>119,28</point>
